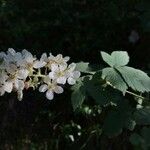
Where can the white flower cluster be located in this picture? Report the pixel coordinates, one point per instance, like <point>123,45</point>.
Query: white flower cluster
<point>22,70</point>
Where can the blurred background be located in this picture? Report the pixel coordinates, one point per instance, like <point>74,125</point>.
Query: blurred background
<point>76,28</point>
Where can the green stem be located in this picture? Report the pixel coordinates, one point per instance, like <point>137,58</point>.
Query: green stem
<point>131,93</point>
<point>136,95</point>
<point>38,75</point>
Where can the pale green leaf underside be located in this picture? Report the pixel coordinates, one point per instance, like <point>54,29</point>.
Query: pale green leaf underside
<point>107,58</point>
<point>136,79</point>
<point>117,58</point>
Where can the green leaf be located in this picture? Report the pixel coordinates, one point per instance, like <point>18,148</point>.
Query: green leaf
<point>107,58</point>
<point>102,95</point>
<point>78,95</point>
<point>118,119</point>
<point>141,141</point>
<point>120,58</point>
<point>117,58</point>
<point>113,124</point>
<point>97,92</point>
<point>135,139</point>
<point>136,79</point>
<point>121,76</point>
<point>111,75</point>
<point>146,134</point>
<point>142,116</point>
<point>83,67</point>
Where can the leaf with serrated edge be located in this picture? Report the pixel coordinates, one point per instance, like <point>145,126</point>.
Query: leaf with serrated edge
<point>136,79</point>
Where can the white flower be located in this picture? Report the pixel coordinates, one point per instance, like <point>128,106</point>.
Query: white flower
<point>58,73</point>
<point>5,86</point>
<point>11,69</point>
<point>40,63</point>
<point>72,74</point>
<point>17,67</point>
<point>13,57</point>
<point>28,56</point>
<point>63,73</point>
<point>50,88</point>
<point>28,60</point>
<point>16,81</point>
<point>22,74</point>
<point>31,62</point>
<point>58,60</point>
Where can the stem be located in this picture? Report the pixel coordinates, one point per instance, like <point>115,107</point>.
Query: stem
<point>136,95</point>
<point>131,93</point>
<point>38,75</point>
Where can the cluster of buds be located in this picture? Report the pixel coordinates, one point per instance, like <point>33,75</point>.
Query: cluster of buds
<point>22,70</point>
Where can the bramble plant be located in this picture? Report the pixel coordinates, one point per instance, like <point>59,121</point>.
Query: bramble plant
<point>22,70</point>
<point>107,87</point>
<point>118,76</point>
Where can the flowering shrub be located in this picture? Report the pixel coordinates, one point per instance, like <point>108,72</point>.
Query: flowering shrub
<point>106,87</point>
<point>22,70</point>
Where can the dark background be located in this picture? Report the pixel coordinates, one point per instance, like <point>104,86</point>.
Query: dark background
<point>76,28</point>
<point>79,28</point>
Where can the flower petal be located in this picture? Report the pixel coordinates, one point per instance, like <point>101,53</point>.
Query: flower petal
<point>67,58</point>
<point>8,86</point>
<point>23,73</point>
<point>52,75</point>
<point>61,80</point>
<point>21,85</point>
<point>71,81</point>
<point>63,67</point>
<point>2,91</point>
<point>43,88</point>
<point>39,64</point>
<point>71,67</point>
<point>58,90</point>
<point>54,67</point>
<point>43,57</point>
<point>76,74</point>
<point>20,95</point>
<point>49,95</point>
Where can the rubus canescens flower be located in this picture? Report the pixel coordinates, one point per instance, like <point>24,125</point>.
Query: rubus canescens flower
<point>50,87</point>
<point>57,60</point>
<point>22,70</point>
<point>64,73</point>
